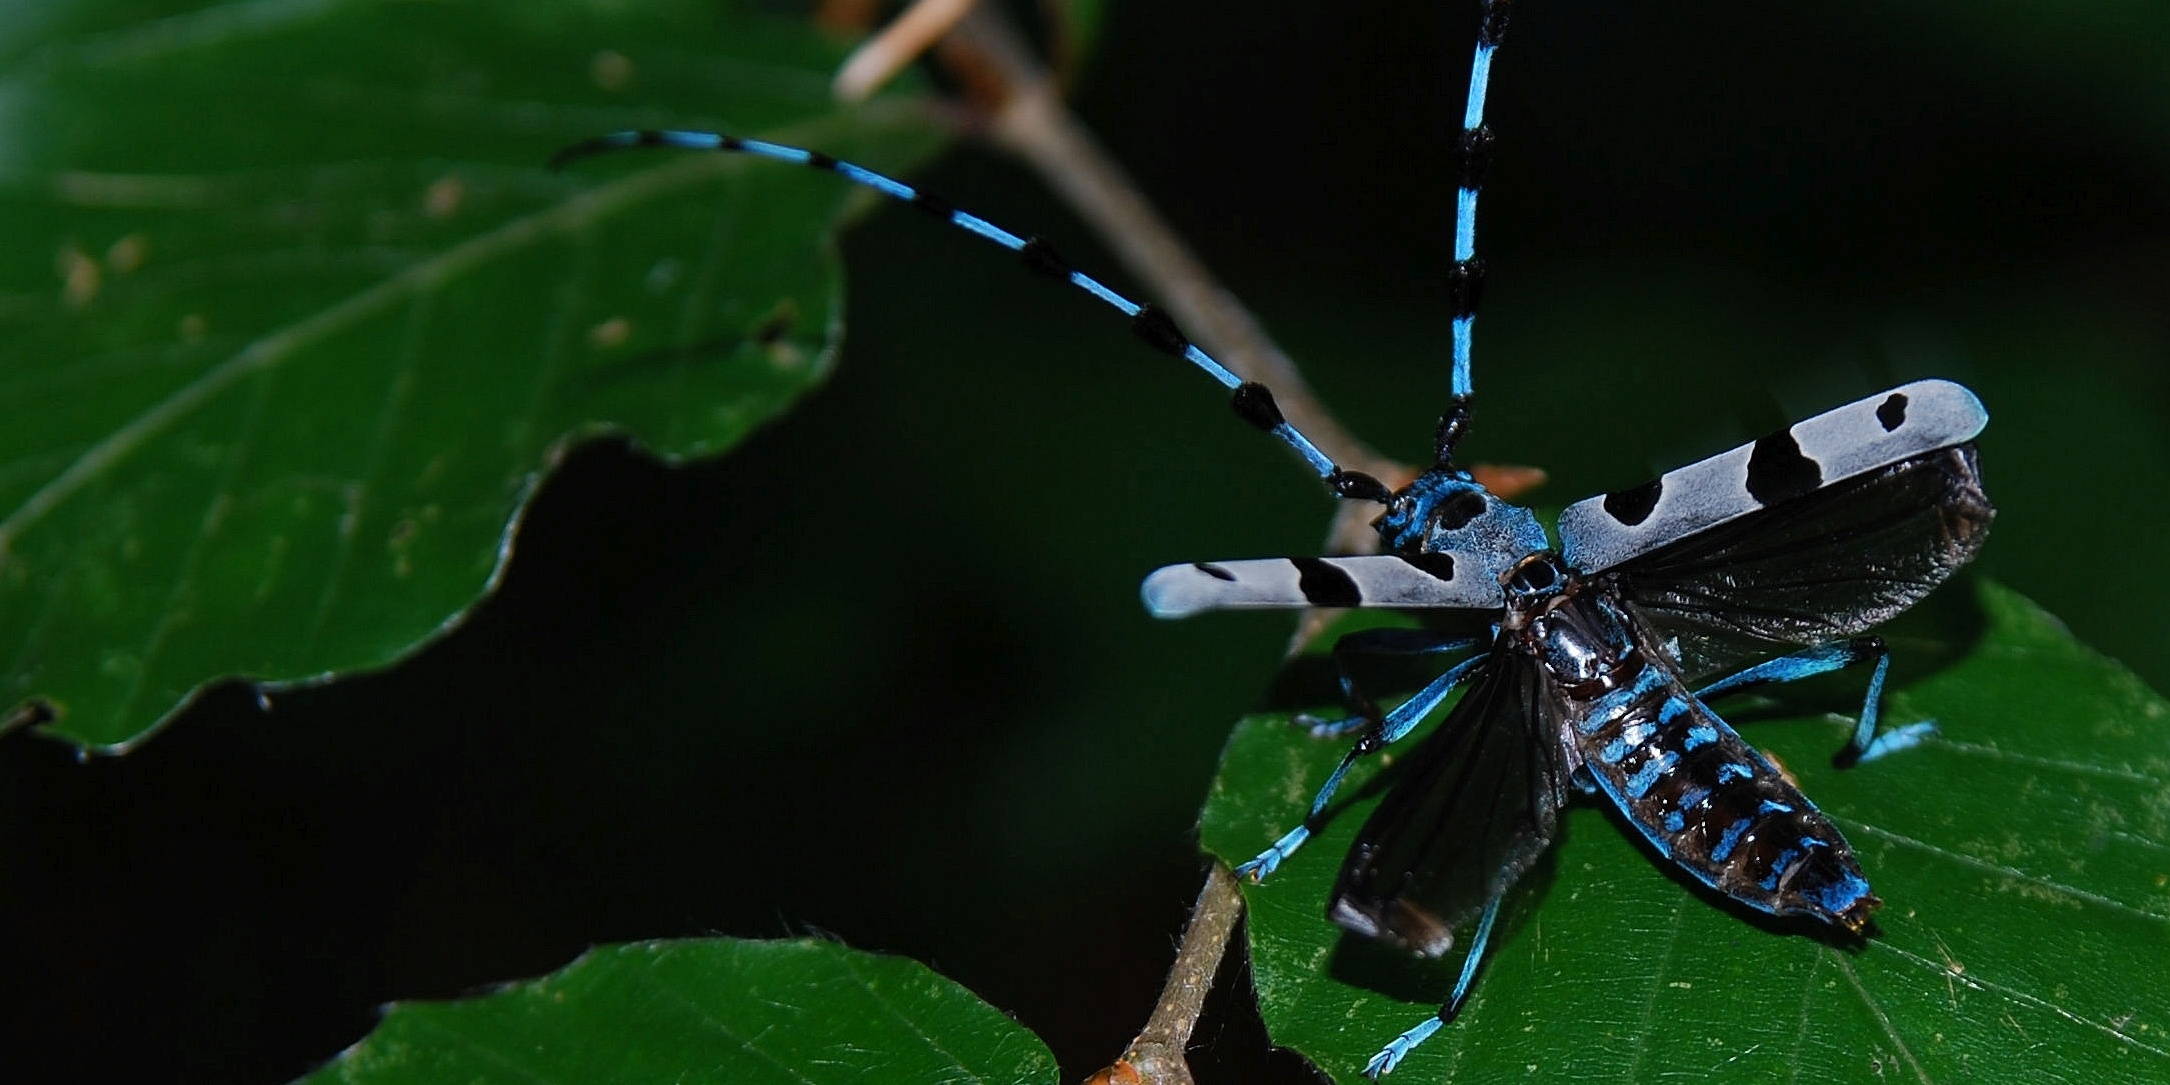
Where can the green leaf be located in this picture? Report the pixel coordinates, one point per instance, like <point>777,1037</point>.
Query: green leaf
<point>292,318</point>
<point>719,1009</point>
<point>2024,857</point>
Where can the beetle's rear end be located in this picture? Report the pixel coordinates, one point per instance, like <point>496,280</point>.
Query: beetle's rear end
<point>1712,804</point>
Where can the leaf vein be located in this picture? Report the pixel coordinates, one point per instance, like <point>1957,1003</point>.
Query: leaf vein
<point>279,346</point>
<point>424,1023</point>
<point>1876,1010</point>
<point>1975,983</point>
<point>1800,1035</point>
<point>851,965</point>
<point>746,1044</point>
<point>207,525</point>
<point>373,460</point>
<point>1650,1001</point>
<point>2081,767</point>
<point>1985,865</point>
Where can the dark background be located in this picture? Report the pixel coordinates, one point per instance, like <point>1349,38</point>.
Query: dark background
<point>881,673</point>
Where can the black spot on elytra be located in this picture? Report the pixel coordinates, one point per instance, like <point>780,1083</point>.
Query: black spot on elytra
<point>1777,471</point>
<point>1214,571</point>
<point>1456,512</point>
<point>1254,403</point>
<point>820,161</point>
<point>1633,506</point>
<point>1159,331</point>
<point>1041,258</point>
<point>1324,585</point>
<point>1892,412</point>
<point>1436,566</point>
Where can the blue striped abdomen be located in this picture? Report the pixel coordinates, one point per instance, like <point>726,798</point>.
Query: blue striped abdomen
<point>1712,804</point>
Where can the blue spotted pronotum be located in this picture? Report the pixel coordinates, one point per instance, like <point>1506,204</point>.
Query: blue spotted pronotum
<point>1764,564</point>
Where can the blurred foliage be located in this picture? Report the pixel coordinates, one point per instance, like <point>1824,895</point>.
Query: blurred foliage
<point>880,670</point>
<point>298,319</point>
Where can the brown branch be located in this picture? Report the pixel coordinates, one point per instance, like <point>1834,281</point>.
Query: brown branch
<point>1158,1054</point>
<point>32,713</point>
<point>881,57</point>
<point>1028,118</point>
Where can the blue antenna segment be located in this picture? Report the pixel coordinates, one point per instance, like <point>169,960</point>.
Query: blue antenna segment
<point>1468,274</point>
<point>1253,401</point>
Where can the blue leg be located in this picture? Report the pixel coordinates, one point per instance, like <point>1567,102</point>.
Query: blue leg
<point>1391,1056</point>
<point>1866,744</point>
<point>1397,723</point>
<point>1374,642</point>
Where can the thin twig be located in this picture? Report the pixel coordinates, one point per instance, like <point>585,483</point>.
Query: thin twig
<point>1029,120</point>
<point>881,57</point>
<point>1157,1055</point>
<point>32,713</point>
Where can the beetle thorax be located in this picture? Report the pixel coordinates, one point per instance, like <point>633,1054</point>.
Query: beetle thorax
<point>1445,509</point>
<point>1580,636</point>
